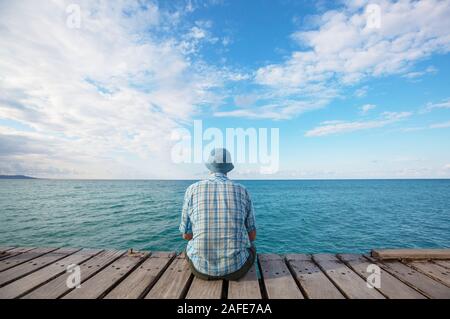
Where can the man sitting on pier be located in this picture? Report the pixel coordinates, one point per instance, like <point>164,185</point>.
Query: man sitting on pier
<point>219,223</point>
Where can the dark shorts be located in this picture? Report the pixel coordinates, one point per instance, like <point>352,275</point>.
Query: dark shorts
<point>234,275</point>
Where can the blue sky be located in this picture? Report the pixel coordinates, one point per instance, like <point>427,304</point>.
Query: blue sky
<point>102,98</point>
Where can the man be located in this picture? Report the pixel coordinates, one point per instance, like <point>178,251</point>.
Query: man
<point>219,223</point>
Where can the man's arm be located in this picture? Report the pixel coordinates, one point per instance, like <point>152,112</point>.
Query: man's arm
<point>186,225</point>
<point>250,222</point>
<point>252,235</point>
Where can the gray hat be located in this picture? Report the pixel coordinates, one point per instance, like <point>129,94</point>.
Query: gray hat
<point>219,161</point>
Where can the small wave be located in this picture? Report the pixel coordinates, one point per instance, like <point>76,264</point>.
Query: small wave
<point>117,206</point>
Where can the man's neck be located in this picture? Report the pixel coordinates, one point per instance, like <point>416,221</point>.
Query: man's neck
<point>213,175</point>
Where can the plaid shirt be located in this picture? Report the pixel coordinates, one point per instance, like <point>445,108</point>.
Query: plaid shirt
<point>219,214</point>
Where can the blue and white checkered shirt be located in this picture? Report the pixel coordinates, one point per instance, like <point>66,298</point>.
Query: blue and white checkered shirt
<point>219,214</point>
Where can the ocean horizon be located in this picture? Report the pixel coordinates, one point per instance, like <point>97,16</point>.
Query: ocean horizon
<point>302,215</point>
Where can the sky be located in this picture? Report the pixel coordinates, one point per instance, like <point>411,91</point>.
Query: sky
<point>102,89</point>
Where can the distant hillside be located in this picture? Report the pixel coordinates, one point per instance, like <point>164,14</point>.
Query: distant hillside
<point>16,177</point>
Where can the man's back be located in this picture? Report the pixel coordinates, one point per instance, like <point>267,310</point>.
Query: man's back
<point>219,214</point>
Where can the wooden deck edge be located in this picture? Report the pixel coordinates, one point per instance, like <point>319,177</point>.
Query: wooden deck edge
<point>415,254</point>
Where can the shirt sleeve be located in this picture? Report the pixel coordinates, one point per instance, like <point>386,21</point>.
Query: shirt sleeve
<point>185,225</point>
<point>250,222</point>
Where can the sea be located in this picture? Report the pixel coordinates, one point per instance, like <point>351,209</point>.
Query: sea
<point>297,216</point>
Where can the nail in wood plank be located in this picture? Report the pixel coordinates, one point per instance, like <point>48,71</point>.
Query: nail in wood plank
<point>278,280</point>
<point>432,270</point>
<point>4,249</point>
<point>23,257</point>
<point>431,288</point>
<point>389,285</point>
<point>58,287</point>
<point>98,285</point>
<point>135,284</point>
<point>173,281</point>
<point>14,252</point>
<point>35,264</point>
<point>443,263</point>
<point>386,254</point>
<point>352,285</point>
<point>27,283</point>
<point>205,289</point>
<point>314,282</point>
<point>246,287</point>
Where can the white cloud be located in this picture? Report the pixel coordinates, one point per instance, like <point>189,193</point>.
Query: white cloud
<point>366,108</point>
<point>441,105</point>
<point>197,33</point>
<point>440,125</point>
<point>361,92</point>
<point>430,126</point>
<point>346,127</point>
<point>418,74</point>
<point>101,100</point>
<point>342,51</point>
<point>273,111</point>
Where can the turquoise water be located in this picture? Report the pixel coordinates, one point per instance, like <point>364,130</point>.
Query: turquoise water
<point>292,216</point>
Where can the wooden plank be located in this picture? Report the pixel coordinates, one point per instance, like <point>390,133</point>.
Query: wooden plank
<point>173,282</point>
<point>431,288</point>
<point>432,270</point>
<point>350,284</point>
<point>23,257</point>
<point>205,289</point>
<point>390,286</point>
<point>57,287</point>
<point>137,283</point>
<point>14,252</point>
<point>278,280</point>
<point>386,254</point>
<point>35,264</point>
<point>99,285</point>
<point>442,263</point>
<point>19,287</point>
<point>4,249</point>
<point>314,282</point>
<point>4,252</point>
<point>246,287</point>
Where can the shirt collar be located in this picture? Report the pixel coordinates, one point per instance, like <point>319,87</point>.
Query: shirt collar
<point>218,176</point>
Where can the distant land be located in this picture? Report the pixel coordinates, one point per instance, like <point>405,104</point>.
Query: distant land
<point>16,177</point>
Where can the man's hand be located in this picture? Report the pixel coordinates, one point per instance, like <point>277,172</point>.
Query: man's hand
<point>252,235</point>
<point>187,236</point>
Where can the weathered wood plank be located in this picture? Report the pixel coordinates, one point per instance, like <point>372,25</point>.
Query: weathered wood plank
<point>246,287</point>
<point>390,286</point>
<point>4,252</point>
<point>173,282</point>
<point>57,287</point>
<point>19,287</point>
<point>278,280</point>
<point>98,285</point>
<point>386,254</point>
<point>136,284</point>
<point>14,252</point>
<point>23,257</point>
<point>442,263</point>
<point>432,270</point>
<point>431,288</point>
<point>205,289</point>
<point>351,284</point>
<point>4,249</point>
<point>35,264</point>
<point>314,282</point>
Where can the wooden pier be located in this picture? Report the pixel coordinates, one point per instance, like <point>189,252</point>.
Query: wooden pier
<point>41,273</point>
